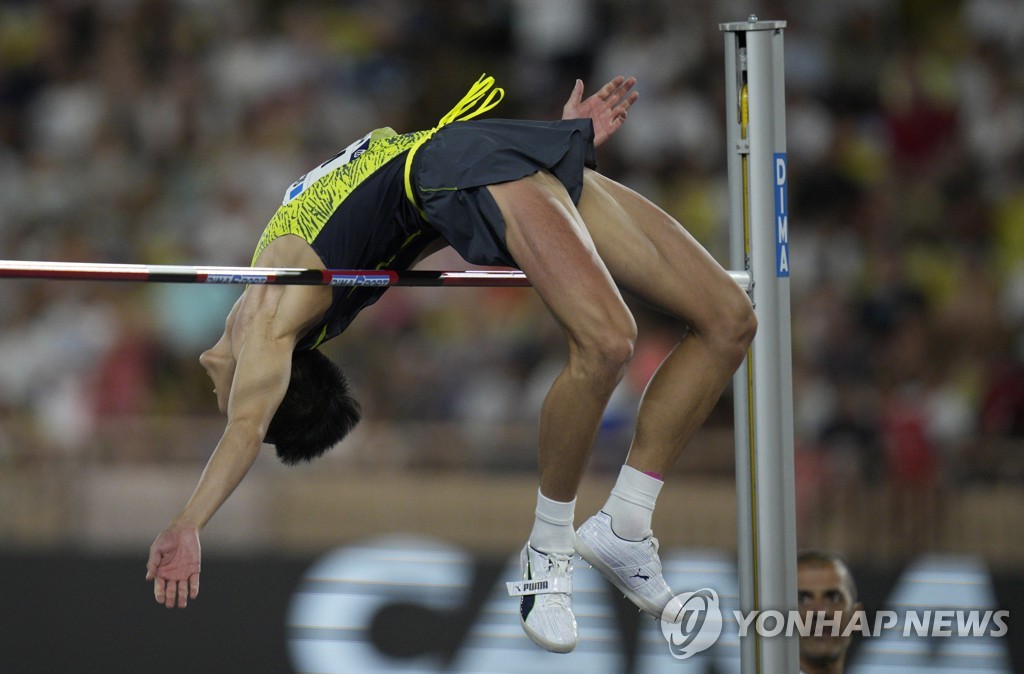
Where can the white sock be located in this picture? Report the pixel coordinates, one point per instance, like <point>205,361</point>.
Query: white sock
<point>631,503</point>
<point>553,526</point>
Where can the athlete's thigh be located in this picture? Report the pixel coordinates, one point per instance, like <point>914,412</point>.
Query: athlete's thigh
<point>552,246</point>
<point>650,254</point>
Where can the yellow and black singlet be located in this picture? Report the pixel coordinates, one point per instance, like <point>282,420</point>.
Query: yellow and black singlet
<point>358,211</point>
<point>353,211</point>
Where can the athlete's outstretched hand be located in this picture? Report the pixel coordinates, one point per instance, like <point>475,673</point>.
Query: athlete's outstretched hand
<point>173,566</point>
<point>607,108</point>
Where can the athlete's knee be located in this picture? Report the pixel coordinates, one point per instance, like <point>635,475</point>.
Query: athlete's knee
<point>601,354</point>
<point>733,328</point>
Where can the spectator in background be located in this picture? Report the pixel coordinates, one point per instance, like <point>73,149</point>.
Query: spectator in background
<point>825,589</point>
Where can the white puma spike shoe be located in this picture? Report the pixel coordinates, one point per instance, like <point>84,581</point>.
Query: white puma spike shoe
<point>545,606</point>
<point>632,566</point>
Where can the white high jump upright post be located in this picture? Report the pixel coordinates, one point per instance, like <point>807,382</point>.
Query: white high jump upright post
<point>763,386</point>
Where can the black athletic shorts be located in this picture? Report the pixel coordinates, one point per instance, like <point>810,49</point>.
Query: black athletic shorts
<point>450,172</point>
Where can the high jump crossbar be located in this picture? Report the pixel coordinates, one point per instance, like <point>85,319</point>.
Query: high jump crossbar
<point>155,273</point>
<point>763,386</point>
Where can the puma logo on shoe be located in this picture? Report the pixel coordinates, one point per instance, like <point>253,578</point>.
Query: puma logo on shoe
<point>639,575</point>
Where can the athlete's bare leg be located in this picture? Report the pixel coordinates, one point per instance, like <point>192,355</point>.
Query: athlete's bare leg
<point>627,238</point>
<point>549,242</point>
<point>651,255</point>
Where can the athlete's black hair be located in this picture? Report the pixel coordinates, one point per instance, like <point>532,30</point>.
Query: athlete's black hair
<point>317,411</point>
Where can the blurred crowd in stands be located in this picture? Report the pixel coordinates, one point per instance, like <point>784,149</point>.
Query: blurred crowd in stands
<point>165,131</point>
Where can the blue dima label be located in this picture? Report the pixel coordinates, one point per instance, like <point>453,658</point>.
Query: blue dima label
<point>781,216</point>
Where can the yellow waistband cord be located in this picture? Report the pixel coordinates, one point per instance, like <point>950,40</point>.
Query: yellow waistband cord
<point>469,107</point>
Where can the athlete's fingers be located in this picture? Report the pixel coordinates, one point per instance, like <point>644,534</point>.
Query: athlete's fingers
<point>171,594</point>
<point>625,97</point>
<point>609,88</point>
<point>577,93</point>
<point>182,593</point>
<point>158,591</point>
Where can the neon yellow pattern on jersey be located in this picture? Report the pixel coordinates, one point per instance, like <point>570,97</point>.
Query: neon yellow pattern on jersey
<point>306,214</point>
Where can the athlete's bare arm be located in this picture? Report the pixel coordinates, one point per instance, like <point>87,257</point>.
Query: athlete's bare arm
<point>253,360</point>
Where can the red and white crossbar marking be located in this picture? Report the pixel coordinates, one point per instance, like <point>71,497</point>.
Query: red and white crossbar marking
<point>88,271</point>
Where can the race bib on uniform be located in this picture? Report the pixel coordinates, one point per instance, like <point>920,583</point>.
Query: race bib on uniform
<point>345,156</point>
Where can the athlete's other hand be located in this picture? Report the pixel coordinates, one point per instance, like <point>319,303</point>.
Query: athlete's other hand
<point>173,565</point>
<point>607,108</point>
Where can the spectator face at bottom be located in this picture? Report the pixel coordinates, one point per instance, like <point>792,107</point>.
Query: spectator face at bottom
<point>828,602</point>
